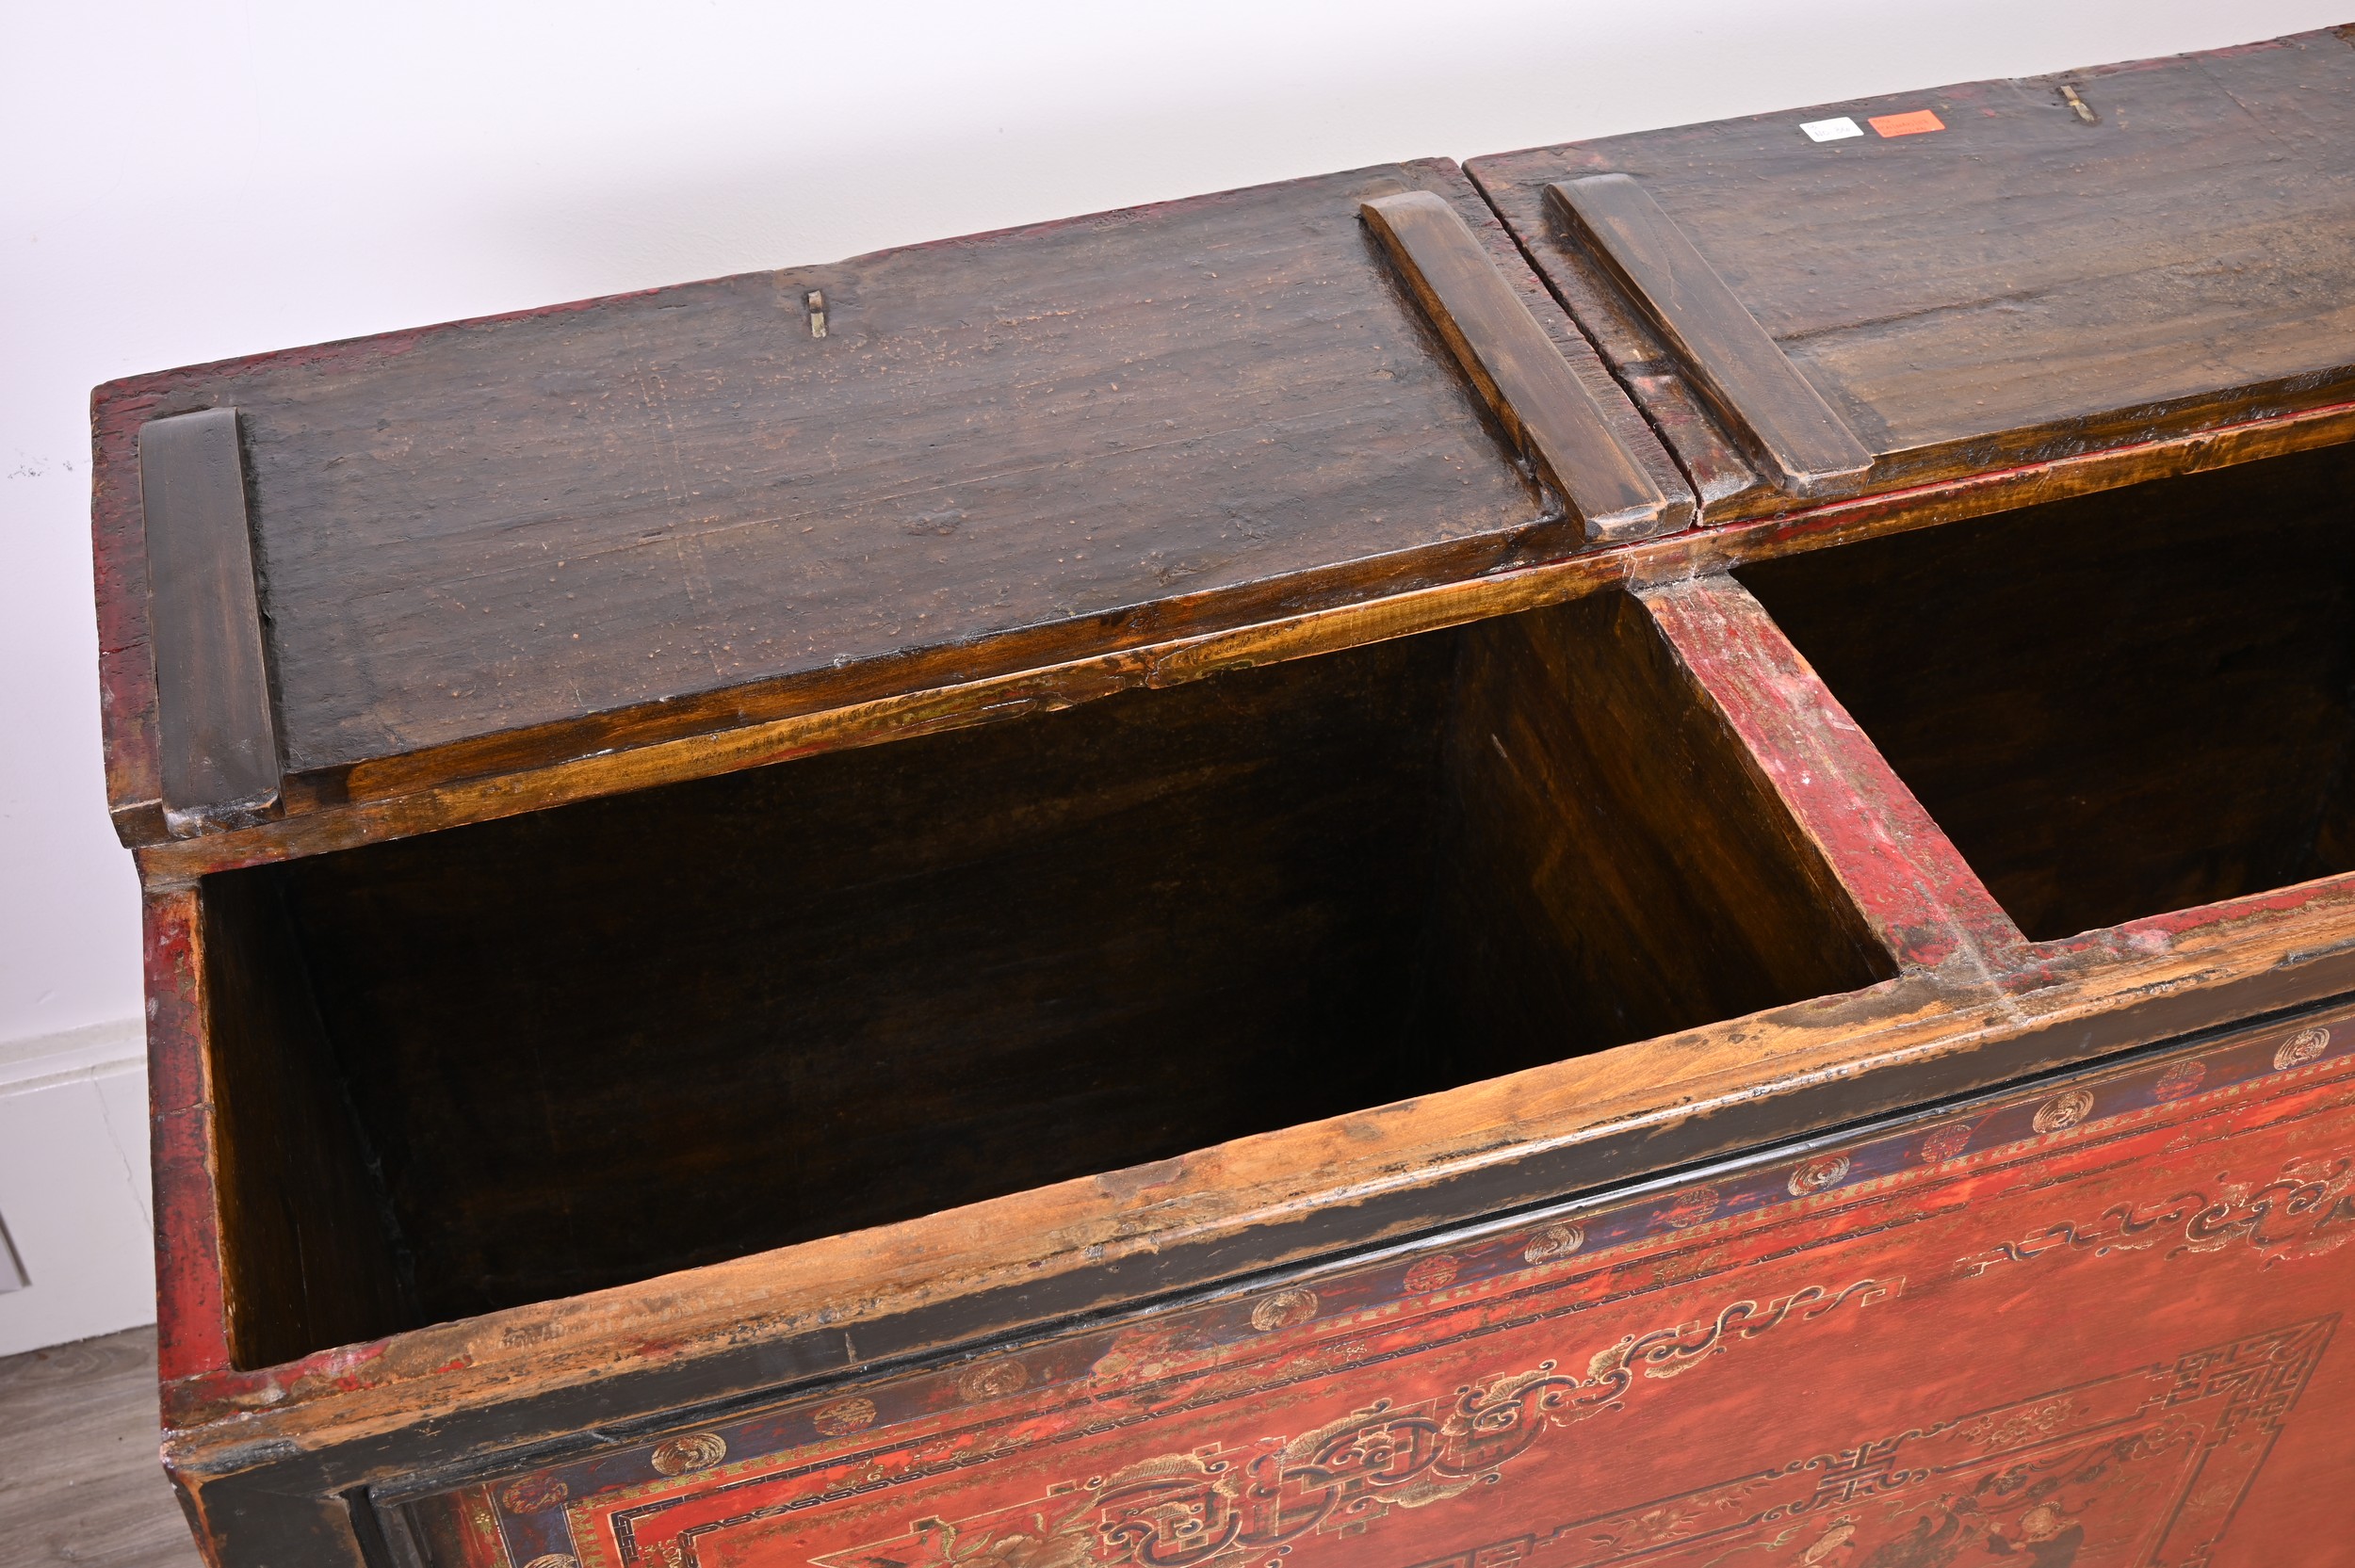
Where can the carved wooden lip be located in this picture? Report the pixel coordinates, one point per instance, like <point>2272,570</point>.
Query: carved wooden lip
<point>1518,371</point>
<point>1807,447</point>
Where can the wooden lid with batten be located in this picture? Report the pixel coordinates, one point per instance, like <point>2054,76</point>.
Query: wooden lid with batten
<point>649,526</point>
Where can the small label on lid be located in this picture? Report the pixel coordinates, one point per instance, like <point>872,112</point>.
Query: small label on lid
<point>1912,124</point>
<point>1832,130</point>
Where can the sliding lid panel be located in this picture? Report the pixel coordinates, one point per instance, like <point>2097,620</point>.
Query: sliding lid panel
<point>1876,295</point>
<point>486,546</point>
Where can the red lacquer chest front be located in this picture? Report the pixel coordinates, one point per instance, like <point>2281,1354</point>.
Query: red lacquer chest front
<point>2088,1322</point>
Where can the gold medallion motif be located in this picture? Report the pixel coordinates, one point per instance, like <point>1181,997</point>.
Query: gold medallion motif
<point>1947,1142</point>
<point>2063,1111</point>
<point>1553,1243</point>
<point>1690,1208</point>
<point>988,1380</point>
<point>696,1451</point>
<point>2179,1080</point>
<point>1283,1310</point>
<point>845,1417</point>
<point>533,1493</point>
<point>1432,1273</point>
<point>2301,1048</point>
<point>1817,1175</point>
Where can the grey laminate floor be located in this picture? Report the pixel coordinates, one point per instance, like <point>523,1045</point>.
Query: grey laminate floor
<point>78,1478</point>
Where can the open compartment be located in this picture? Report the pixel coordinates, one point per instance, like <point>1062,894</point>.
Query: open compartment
<point>2117,704</point>
<point>529,1057</point>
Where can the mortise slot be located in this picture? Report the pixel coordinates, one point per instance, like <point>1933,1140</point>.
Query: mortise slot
<point>598,1043</point>
<point>2115,706</point>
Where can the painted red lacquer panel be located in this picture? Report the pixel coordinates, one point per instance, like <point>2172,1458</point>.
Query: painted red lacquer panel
<point>2091,1324</point>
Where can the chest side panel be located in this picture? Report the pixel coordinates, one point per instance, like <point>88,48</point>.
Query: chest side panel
<point>2096,1317</point>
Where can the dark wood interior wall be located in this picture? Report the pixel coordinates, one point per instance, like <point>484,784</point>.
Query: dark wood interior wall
<point>2115,706</point>
<point>592,1044</point>
<point>309,1256</point>
<point>1613,868</point>
<point>599,1043</point>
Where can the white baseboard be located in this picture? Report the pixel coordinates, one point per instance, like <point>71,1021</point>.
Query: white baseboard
<point>74,1185</point>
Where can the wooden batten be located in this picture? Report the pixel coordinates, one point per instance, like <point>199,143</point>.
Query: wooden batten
<point>1804,449</point>
<point>218,737</point>
<point>1519,371</point>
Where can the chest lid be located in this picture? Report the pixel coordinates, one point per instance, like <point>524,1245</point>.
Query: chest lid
<point>357,572</point>
<point>1871,296</point>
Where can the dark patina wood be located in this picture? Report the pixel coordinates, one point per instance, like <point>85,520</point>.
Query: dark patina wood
<point>1519,371</point>
<point>2156,715</point>
<point>1802,447</point>
<point>2022,283</point>
<point>1489,1032</point>
<point>675,513</point>
<point>218,740</point>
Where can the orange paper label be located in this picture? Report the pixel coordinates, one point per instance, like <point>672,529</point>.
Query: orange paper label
<point>1907,124</point>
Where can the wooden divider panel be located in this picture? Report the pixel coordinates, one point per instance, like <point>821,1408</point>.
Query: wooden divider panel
<point>1912,885</point>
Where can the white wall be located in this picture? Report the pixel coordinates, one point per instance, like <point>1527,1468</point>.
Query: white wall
<point>188,180</point>
<point>73,1186</point>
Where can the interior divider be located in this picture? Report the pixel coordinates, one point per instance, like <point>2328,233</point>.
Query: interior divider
<point>1912,884</point>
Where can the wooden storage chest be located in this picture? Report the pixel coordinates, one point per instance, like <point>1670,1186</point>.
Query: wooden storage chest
<point>1641,853</point>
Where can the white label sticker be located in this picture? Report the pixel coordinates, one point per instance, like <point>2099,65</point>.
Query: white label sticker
<point>1832,130</point>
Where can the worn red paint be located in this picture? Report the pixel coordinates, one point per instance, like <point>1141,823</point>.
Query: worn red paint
<point>1912,883</point>
<point>2151,1268</point>
<point>191,1307</point>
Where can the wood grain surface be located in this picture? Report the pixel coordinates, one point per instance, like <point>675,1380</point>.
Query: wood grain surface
<point>1837,794</point>
<point>79,1486</point>
<point>305,1259</point>
<point>2017,284</point>
<point>1613,868</point>
<point>1803,447</point>
<point>1529,389</point>
<point>220,736</point>
<point>588,1045</point>
<point>575,1049</point>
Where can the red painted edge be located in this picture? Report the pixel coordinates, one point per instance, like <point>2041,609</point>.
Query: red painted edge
<point>191,1302</point>
<point>1912,884</point>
